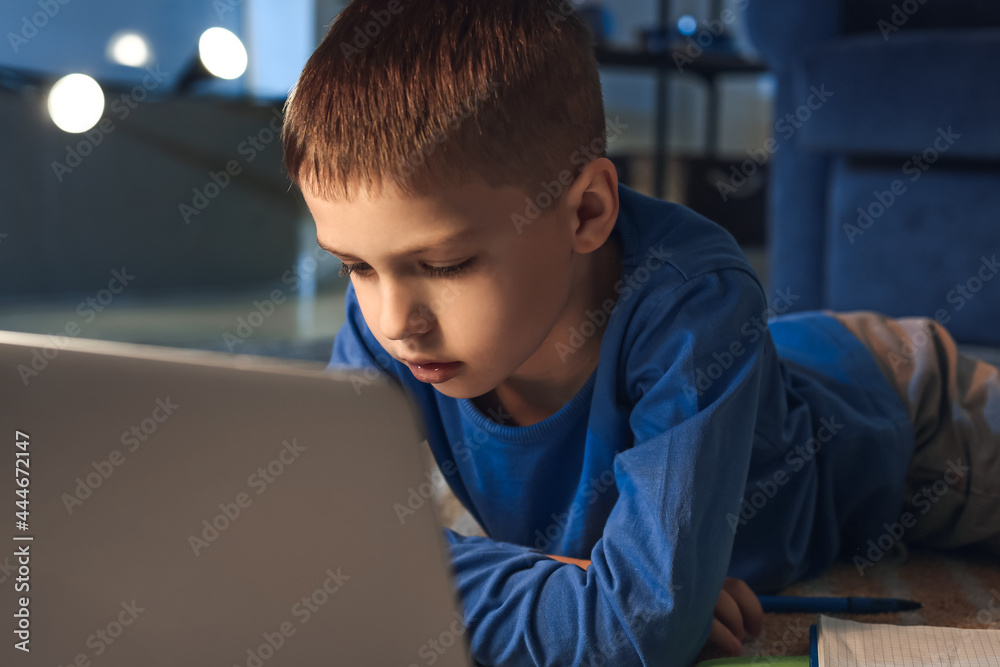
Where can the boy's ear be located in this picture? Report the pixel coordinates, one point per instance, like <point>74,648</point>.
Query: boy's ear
<point>593,199</point>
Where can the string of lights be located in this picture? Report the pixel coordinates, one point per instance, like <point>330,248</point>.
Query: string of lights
<point>76,101</point>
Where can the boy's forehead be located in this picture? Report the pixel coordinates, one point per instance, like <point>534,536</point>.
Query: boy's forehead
<point>464,212</point>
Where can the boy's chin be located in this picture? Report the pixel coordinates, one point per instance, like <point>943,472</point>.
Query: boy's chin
<point>463,387</point>
<point>457,389</point>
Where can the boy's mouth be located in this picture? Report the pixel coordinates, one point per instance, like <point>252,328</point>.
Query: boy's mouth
<point>434,372</point>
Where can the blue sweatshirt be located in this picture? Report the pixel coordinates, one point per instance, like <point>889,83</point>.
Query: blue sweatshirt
<point>707,443</point>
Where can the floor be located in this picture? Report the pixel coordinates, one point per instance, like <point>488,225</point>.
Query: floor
<point>298,327</point>
<point>957,589</point>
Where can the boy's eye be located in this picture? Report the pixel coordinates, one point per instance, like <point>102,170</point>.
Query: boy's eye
<point>362,270</point>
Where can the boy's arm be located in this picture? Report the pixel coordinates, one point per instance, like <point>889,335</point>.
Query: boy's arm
<point>657,571</point>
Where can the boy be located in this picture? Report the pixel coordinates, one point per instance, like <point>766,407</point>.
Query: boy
<point>595,368</point>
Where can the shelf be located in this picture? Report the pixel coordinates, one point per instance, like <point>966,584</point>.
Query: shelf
<point>709,64</point>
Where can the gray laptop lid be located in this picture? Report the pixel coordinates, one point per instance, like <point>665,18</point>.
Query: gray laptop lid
<point>194,508</point>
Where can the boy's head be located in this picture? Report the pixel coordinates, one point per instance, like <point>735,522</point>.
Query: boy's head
<point>418,120</point>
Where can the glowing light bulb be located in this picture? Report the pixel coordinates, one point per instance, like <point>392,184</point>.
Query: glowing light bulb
<point>222,53</point>
<point>129,49</point>
<point>687,24</point>
<point>76,103</point>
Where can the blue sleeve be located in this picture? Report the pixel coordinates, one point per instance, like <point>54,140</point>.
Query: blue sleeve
<point>649,594</point>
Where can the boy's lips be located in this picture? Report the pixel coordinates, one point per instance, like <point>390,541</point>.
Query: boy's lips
<point>426,362</point>
<point>433,371</point>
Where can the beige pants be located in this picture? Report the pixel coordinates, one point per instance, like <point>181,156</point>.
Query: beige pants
<point>953,483</point>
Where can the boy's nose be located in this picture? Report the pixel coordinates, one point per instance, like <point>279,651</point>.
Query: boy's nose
<point>403,315</point>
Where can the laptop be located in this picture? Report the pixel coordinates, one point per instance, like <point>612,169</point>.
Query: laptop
<point>167,508</point>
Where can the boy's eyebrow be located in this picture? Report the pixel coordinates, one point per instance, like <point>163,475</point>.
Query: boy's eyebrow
<point>468,231</point>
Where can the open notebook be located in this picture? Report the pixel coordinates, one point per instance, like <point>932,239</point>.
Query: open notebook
<point>843,643</point>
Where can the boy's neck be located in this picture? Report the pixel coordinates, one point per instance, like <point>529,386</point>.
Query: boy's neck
<point>519,402</point>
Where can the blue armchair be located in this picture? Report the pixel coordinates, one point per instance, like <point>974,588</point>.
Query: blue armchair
<point>885,191</point>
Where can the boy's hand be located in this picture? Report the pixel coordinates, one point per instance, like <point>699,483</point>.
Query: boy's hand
<point>737,611</point>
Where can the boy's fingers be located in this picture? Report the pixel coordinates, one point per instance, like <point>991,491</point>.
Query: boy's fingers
<point>728,613</point>
<point>724,639</point>
<point>749,605</point>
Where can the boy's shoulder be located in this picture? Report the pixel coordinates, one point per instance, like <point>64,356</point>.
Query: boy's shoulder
<point>653,230</point>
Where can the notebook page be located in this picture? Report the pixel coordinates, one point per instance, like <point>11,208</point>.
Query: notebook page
<point>844,643</point>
